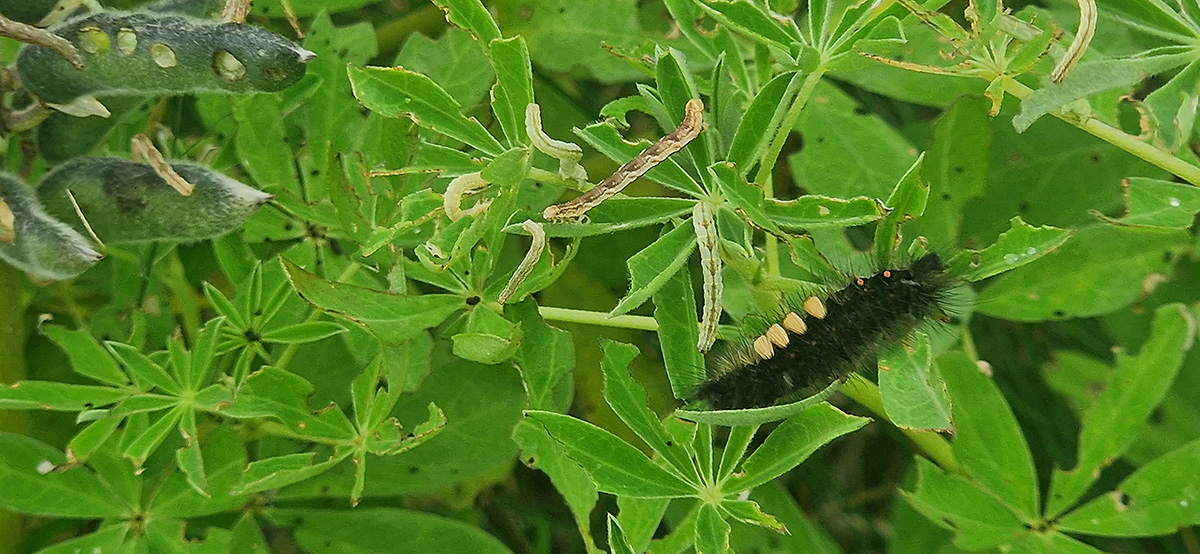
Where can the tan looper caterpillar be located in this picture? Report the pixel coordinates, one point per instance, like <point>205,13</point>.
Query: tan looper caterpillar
<point>690,128</point>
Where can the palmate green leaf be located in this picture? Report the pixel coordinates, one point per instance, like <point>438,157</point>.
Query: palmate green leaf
<point>678,332</point>
<point>143,369</point>
<point>487,337</point>
<point>1050,542</point>
<point>301,333</point>
<point>514,86</point>
<point>712,531</point>
<point>628,400</point>
<point>108,539</point>
<point>87,441</point>
<point>74,493</point>
<point>566,37</point>
<point>802,534</point>
<point>617,542</point>
<point>396,92</point>
<point>1156,17</point>
<point>979,520</point>
<point>616,214</point>
<point>471,16</point>
<point>956,167</point>
<point>604,137</point>
<point>987,441</point>
<point>791,443</point>
<point>330,122</point>
<point>280,471</point>
<point>1155,203</point>
<point>88,357</point>
<point>224,460</point>
<point>1021,244</point>
<point>545,357</point>
<point>1172,107</point>
<point>613,464</point>
<point>145,443</point>
<point>818,212</point>
<point>912,398</point>
<point>907,202</point>
<point>847,153</point>
<point>1100,269</point>
<point>758,416</point>
<point>1094,76</point>
<point>189,458</point>
<point>383,531</point>
<point>747,511</point>
<point>454,61</point>
<point>392,318</point>
<point>261,141</point>
<point>749,20</point>
<point>746,198</point>
<point>540,451</point>
<point>675,88</point>
<point>640,518</point>
<point>761,119</point>
<point>1115,420</point>
<point>1158,499</point>
<point>62,397</point>
<point>482,405</point>
<point>650,268</point>
<point>283,396</point>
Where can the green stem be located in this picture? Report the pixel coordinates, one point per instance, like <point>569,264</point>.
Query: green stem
<point>290,351</point>
<point>934,446</point>
<point>771,157</point>
<point>1152,154</point>
<point>639,322</point>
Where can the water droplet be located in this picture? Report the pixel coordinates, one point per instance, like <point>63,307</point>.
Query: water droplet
<point>162,55</point>
<point>1010,258</point>
<point>1030,251</point>
<point>1175,202</point>
<point>126,41</point>
<point>94,41</point>
<point>228,67</point>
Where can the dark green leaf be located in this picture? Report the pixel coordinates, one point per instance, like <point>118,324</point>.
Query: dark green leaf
<point>31,487</point>
<point>396,92</point>
<point>1117,418</point>
<point>614,465</point>
<point>792,442</point>
<point>979,519</point>
<point>392,318</point>
<point>87,356</point>
<point>912,398</point>
<point>51,395</point>
<point>650,268</point>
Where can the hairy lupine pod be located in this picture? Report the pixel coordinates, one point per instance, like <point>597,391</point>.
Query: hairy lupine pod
<point>143,53</point>
<point>26,11</point>
<point>204,9</point>
<point>42,246</point>
<point>125,201</point>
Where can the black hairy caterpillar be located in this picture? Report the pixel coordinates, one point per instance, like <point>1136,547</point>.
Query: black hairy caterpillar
<point>815,341</point>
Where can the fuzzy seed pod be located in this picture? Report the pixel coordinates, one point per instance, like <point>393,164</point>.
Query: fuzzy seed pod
<point>142,53</point>
<point>42,246</point>
<point>125,201</point>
